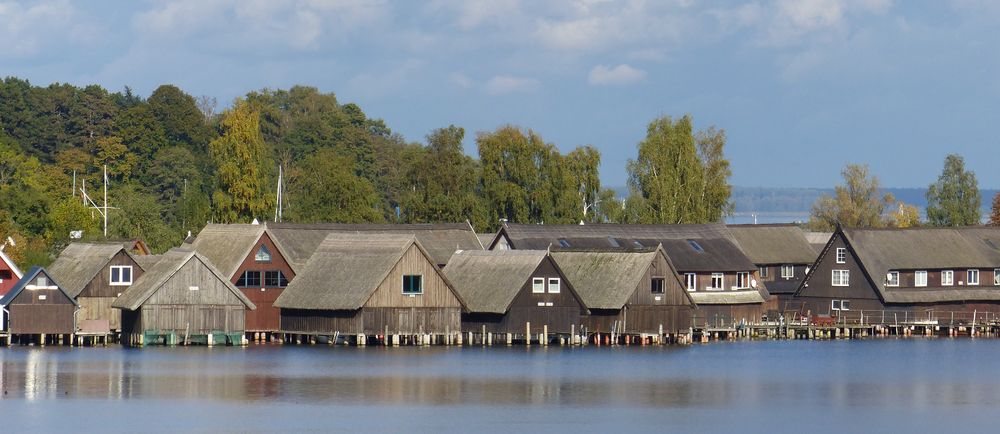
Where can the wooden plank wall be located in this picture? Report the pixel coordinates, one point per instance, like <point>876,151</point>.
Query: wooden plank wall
<point>372,321</point>
<point>673,293</point>
<point>99,308</point>
<point>194,319</point>
<point>436,291</point>
<point>211,291</point>
<point>42,318</point>
<point>641,319</point>
<point>175,307</point>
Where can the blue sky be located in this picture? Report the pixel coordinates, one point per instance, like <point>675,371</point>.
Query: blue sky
<point>800,86</point>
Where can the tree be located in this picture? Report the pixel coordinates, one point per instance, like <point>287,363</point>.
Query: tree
<point>954,199</point>
<point>995,211</point>
<point>678,177</point>
<point>442,181</point>
<point>323,188</point>
<point>183,123</point>
<point>140,216</point>
<point>858,203</point>
<point>584,163</point>
<point>238,155</point>
<point>906,216</point>
<point>71,215</point>
<point>112,153</point>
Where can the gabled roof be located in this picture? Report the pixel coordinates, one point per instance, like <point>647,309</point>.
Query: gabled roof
<point>606,279</point>
<point>21,284</point>
<point>346,269</point>
<point>227,245</point>
<point>165,267</point>
<point>10,263</point>
<point>720,251</point>
<point>440,240</point>
<point>79,263</point>
<point>489,280</point>
<point>774,243</point>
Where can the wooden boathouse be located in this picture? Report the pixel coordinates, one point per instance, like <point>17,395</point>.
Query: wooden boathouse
<point>631,295</point>
<point>182,299</point>
<point>515,295</point>
<point>95,274</point>
<point>249,257</point>
<point>926,276</point>
<point>10,274</point>
<point>783,256</point>
<point>365,286</point>
<point>39,310</point>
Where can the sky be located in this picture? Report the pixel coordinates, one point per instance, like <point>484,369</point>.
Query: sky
<point>801,87</point>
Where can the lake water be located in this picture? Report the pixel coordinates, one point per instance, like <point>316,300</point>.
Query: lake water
<point>884,385</point>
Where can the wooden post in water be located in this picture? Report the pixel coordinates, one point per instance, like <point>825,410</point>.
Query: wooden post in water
<point>527,333</point>
<point>545,335</point>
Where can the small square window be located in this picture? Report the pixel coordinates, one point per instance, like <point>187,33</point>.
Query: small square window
<point>892,279</point>
<point>413,284</point>
<point>787,271</point>
<point>538,285</point>
<point>656,285</point>
<point>717,281</point>
<point>554,285</point>
<point>845,304</point>
<point>42,281</point>
<point>121,275</point>
<point>835,305</point>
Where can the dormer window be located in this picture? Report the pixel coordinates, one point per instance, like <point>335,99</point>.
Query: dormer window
<point>920,278</point>
<point>892,279</point>
<point>121,275</point>
<point>263,254</point>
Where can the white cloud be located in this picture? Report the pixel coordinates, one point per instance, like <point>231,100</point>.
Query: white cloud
<point>28,30</point>
<point>503,84</point>
<point>619,75</point>
<point>461,80</point>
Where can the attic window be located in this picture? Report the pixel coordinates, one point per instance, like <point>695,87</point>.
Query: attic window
<point>121,275</point>
<point>563,243</point>
<point>263,254</point>
<point>413,284</point>
<point>697,247</point>
<point>42,281</point>
<point>656,285</point>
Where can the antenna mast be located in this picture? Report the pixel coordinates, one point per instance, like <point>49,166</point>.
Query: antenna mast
<point>103,210</point>
<point>277,211</point>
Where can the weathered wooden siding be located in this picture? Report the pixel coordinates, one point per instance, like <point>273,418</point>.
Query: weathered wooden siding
<point>819,292</point>
<point>266,316</point>
<point>99,308</point>
<point>193,319</point>
<point>212,307</point>
<point>100,285</point>
<point>673,293</point>
<point>436,291</point>
<point>726,315</point>
<point>371,321</point>
<point>30,314</point>
<point>641,319</point>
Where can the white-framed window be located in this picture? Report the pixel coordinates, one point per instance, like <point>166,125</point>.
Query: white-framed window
<point>841,255</point>
<point>538,285</point>
<point>841,278</point>
<point>996,277</point>
<point>892,279</point>
<point>717,281</point>
<point>742,280</point>
<point>973,277</point>
<point>657,285</point>
<point>42,281</point>
<point>834,304</point>
<point>947,278</point>
<point>691,281</point>
<point>554,285</point>
<point>121,275</point>
<point>787,271</point>
<point>762,271</point>
<point>920,278</point>
<point>838,305</point>
<point>413,284</point>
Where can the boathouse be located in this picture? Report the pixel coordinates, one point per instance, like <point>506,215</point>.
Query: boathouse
<point>39,310</point>
<point>516,292</point>
<point>182,298</point>
<point>629,293</point>
<point>717,273</point>
<point>95,274</point>
<point>928,275</point>
<point>783,256</point>
<point>9,274</point>
<point>249,257</point>
<point>367,284</point>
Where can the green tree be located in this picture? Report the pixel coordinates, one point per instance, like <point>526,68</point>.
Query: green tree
<point>859,203</point>
<point>112,153</point>
<point>71,215</point>
<point>995,211</point>
<point>442,181</point>
<point>954,199</point>
<point>716,191</point>
<point>905,216</point>
<point>140,131</point>
<point>239,154</point>
<point>323,188</point>
<point>140,216</point>
<point>183,123</point>
<point>666,179</point>
<point>584,164</point>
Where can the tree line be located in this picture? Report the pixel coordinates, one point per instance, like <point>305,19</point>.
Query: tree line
<point>175,162</point>
<point>953,200</point>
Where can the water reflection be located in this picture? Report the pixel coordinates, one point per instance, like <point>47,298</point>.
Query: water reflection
<point>725,377</point>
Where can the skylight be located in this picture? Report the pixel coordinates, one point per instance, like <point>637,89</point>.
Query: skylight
<point>694,245</point>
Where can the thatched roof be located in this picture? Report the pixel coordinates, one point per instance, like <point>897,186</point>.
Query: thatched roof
<point>746,296</point>
<point>818,240</point>
<point>882,250</point>
<point>774,243</point>
<point>440,240</point>
<point>604,279</point>
<point>169,264</point>
<point>345,270</point>
<point>28,278</point>
<point>227,245</point>
<point>488,280</point>
<point>720,251</point>
<point>79,263</point>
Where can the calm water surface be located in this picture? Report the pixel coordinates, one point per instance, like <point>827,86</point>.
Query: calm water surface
<point>910,385</point>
